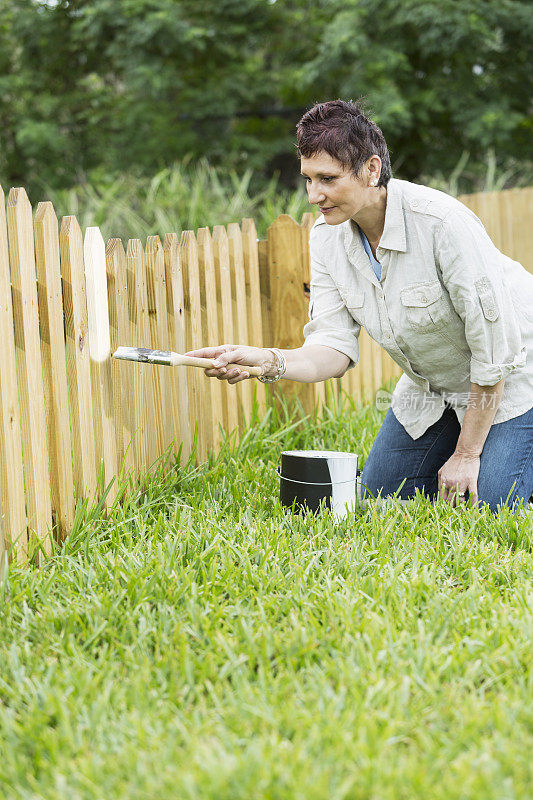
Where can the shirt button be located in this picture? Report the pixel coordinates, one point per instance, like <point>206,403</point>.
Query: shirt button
<point>414,203</point>
<point>424,298</point>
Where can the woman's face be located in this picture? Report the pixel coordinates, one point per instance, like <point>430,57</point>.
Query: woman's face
<point>339,194</point>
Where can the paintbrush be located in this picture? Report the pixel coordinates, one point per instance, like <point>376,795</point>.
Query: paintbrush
<point>170,359</point>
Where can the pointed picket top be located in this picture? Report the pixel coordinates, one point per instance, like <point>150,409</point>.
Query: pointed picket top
<point>219,233</point>
<point>19,214</point>
<point>203,236</point>
<point>134,248</point>
<point>283,220</point>
<point>248,227</point>
<point>187,237</point>
<point>114,249</point>
<point>221,251</point>
<point>17,197</point>
<point>171,244</point>
<point>171,240</point>
<point>308,219</point>
<point>153,244</point>
<point>189,255</point>
<point>235,248</point>
<point>137,294</point>
<point>45,211</point>
<point>70,227</point>
<point>188,244</point>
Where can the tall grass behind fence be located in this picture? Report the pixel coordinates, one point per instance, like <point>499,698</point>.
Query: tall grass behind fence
<point>73,419</point>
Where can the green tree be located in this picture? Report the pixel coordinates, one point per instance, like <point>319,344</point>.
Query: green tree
<point>90,87</point>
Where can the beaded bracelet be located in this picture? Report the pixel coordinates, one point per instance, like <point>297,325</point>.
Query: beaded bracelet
<point>282,367</point>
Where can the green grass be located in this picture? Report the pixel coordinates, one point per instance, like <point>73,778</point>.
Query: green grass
<point>204,642</point>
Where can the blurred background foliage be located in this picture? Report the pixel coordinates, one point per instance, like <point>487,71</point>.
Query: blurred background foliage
<point>182,112</point>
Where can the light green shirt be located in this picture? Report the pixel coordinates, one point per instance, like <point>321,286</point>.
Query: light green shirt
<point>450,308</point>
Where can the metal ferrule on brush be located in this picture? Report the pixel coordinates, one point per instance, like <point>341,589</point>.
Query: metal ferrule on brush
<point>144,355</point>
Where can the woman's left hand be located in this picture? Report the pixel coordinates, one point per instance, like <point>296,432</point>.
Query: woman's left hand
<point>457,476</point>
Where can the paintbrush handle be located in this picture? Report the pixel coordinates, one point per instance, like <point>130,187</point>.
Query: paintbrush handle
<point>178,360</point>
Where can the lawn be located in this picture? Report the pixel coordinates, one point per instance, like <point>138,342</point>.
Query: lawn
<point>204,642</point>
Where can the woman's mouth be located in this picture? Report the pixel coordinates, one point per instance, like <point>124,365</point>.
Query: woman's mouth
<point>326,210</point>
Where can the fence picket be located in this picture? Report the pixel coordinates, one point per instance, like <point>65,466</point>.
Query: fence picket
<point>308,220</point>
<point>120,333</point>
<point>143,398</point>
<point>208,286</point>
<point>54,366</point>
<point>253,297</point>
<point>236,256</point>
<point>157,313</point>
<point>30,373</point>
<point>289,305</point>
<point>14,522</point>
<point>100,355</point>
<point>199,393</point>
<point>226,330</point>
<point>176,332</point>
<point>264,284</point>
<point>78,360</point>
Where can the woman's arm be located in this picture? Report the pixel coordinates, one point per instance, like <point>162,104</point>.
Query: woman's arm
<point>313,363</point>
<point>308,364</point>
<point>460,473</point>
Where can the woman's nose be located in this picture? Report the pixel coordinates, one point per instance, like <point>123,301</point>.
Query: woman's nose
<point>315,195</point>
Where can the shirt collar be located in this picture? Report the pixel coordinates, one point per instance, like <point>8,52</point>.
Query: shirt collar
<point>393,236</point>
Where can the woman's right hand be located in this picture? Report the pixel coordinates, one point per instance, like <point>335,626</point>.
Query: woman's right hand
<point>236,354</point>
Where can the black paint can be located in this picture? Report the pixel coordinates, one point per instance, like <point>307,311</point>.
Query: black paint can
<point>309,477</point>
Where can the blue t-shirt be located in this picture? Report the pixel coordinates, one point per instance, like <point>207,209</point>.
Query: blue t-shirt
<point>376,266</point>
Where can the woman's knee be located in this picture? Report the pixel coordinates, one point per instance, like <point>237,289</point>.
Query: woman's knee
<point>498,491</point>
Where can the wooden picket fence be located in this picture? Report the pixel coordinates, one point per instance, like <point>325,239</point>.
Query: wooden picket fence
<point>73,420</point>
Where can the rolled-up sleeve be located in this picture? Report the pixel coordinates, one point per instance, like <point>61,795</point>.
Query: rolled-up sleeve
<point>473,273</point>
<point>330,322</point>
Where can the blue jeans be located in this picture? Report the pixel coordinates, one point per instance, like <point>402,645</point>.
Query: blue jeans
<point>506,465</point>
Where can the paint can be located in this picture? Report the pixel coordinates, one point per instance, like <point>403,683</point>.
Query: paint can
<point>308,477</point>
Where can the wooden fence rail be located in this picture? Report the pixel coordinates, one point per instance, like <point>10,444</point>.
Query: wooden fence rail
<point>72,419</point>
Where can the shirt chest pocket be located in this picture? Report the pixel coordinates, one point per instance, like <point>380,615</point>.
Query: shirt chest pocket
<point>425,306</point>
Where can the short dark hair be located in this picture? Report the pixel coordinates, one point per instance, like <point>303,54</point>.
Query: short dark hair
<point>346,133</point>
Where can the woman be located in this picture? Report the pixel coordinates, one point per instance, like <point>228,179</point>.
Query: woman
<point>416,268</point>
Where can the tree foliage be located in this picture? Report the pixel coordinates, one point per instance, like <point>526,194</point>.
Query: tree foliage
<point>109,86</point>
